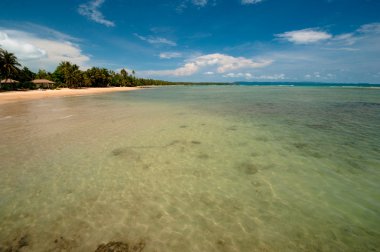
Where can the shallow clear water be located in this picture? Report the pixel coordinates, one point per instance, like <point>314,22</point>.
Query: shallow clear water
<point>193,169</point>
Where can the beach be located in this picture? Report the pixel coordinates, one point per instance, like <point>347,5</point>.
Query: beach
<point>15,96</point>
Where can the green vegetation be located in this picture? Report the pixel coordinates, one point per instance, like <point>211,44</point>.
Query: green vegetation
<point>8,64</point>
<point>69,75</point>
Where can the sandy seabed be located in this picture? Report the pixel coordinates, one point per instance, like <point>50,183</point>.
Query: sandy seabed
<point>15,96</point>
<point>202,168</point>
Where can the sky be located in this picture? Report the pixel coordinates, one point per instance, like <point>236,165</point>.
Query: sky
<point>332,41</point>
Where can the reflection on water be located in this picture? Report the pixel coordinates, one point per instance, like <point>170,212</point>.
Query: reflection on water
<point>193,169</point>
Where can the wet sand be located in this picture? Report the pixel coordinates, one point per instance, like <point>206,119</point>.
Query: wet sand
<point>15,96</point>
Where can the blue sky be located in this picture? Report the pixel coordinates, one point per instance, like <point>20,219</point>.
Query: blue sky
<point>200,40</point>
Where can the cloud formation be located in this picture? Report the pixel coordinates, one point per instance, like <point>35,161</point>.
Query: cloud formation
<point>156,40</point>
<point>22,49</point>
<point>219,63</point>
<point>38,51</point>
<point>370,28</point>
<point>251,1</point>
<point>91,11</point>
<point>209,73</point>
<point>249,76</point>
<point>341,41</point>
<point>170,55</point>
<point>199,2</point>
<point>305,36</point>
<point>185,3</point>
<point>202,3</point>
<point>348,57</point>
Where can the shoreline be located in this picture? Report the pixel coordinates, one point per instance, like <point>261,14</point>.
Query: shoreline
<point>17,96</point>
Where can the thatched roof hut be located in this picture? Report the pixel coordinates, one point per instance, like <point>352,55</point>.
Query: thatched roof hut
<point>43,82</point>
<point>9,81</point>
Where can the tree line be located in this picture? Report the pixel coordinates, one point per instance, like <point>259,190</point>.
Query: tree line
<point>67,75</point>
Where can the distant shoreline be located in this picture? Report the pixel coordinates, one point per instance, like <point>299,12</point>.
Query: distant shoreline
<point>17,96</point>
<point>306,84</point>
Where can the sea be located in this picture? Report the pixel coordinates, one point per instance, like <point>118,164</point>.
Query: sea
<point>193,168</point>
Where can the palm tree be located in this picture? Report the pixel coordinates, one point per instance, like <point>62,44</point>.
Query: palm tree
<point>69,74</point>
<point>42,74</point>
<point>1,58</point>
<point>8,64</point>
<point>124,73</point>
<point>73,77</point>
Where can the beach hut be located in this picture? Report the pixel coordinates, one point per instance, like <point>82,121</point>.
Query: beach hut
<point>43,83</point>
<point>8,81</point>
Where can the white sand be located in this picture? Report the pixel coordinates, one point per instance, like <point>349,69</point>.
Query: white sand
<point>15,96</point>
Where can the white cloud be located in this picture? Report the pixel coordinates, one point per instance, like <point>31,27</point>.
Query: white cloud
<point>309,36</point>
<point>219,63</point>
<point>202,3</point>
<point>37,51</point>
<point>46,31</point>
<point>170,55</point>
<point>184,4</point>
<point>270,77</point>
<point>370,28</point>
<point>305,36</point>
<point>251,1</point>
<point>238,75</point>
<point>22,49</point>
<point>348,49</point>
<point>346,39</point>
<point>353,56</point>
<point>199,2</point>
<point>347,57</point>
<point>344,36</point>
<point>156,40</point>
<point>308,76</point>
<point>368,34</point>
<point>209,73</point>
<point>91,10</point>
<point>318,76</point>
<point>249,76</point>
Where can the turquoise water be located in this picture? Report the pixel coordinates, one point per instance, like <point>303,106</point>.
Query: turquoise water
<point>193,169</point>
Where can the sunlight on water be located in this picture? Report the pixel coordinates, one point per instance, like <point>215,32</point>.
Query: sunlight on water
<point>193,169</point>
